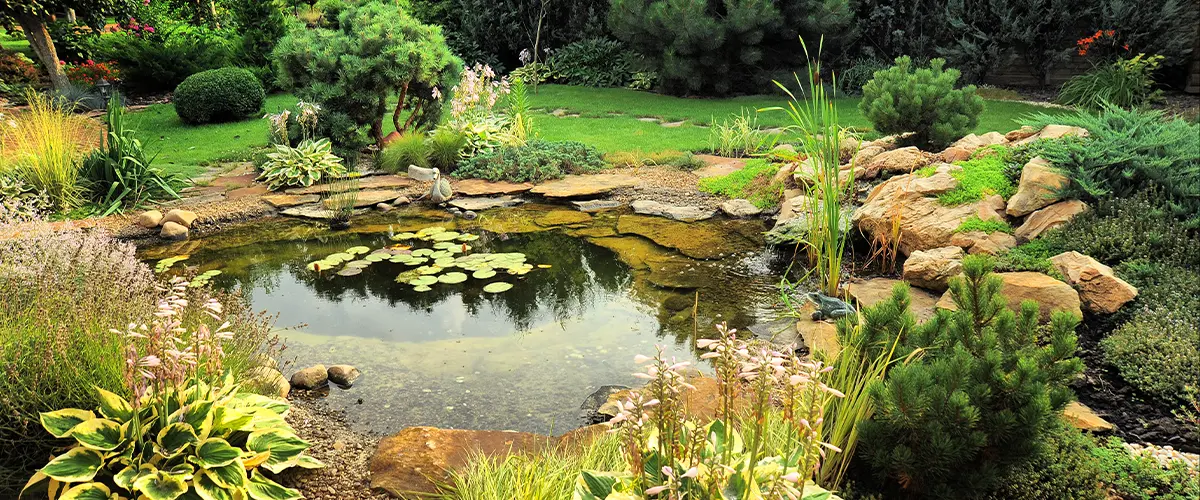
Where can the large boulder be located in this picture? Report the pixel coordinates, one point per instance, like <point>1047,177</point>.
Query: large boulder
<point>1050,294</point>
<point>867,293</point>
<point>182,217</point>
<point>310,378</point>
<point>1049,218</point>
<point>1100,290</point>
<point>343,375</point>
<point>932,269</point>
<point>972,141</point>
<point>906,203</point>
<point>1021,133</point>
<point>1039,187</point>
<point>417,459</point>
<point>902,160</point>
<point>1054,132</point>
<point>740,208</point>
<point>979,242</point>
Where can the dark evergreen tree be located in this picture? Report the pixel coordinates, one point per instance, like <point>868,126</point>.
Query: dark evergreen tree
<point>717,47</point>
<point>980,399</point>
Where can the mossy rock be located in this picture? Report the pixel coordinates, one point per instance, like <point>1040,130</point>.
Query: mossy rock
<point>678,302</point>
<point>699,240</point>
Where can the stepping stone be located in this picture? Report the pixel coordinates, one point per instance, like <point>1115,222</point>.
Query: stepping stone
<point>314,211</point>
<point>649,119</point>
<point>239,181</point>
<point>364,183</point>
<point>485,203</point>
<point>674,124</point>
<point>290,200</point>
<point>480,187</point>
<point>574,186</point>
<point>248,191</point>
<point>718,166</point>
<point>373,197</point>
<point>683,214</point>
<point>591,206</point>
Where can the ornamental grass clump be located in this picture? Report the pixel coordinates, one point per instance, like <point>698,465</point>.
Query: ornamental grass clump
<point>44,145</point>
<point>771,450</point>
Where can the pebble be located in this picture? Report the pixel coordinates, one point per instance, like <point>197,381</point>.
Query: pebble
<point>1164,454</point>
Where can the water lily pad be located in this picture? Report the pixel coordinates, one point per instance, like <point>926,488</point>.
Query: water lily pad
<point>339,257</point>
<point>483,274</point>
<point>468,237</point>
<point>446,236</point>
<point>442,245</point>
<point>358,264</point>
<point>357,250</point>
<point>444,262</point>
<point>421,288</point>
<point>377,257</point>
<point>322,265</point>
<point>452,278</point>
<point>497,287</point>
<point>214,272</point>
<point>422,252</point>
<point>350,271</point>
<point>423,280</point>
<point>166,263</point>
<point>431,230</point>
<point>440,254</point>
<point>429,269</point>
<point>404,236</point>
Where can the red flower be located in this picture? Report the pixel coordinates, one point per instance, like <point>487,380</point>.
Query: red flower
<point>1126,47</point>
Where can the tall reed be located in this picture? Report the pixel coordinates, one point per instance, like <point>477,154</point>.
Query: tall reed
<point>44,146</point>
<point>816,118</point>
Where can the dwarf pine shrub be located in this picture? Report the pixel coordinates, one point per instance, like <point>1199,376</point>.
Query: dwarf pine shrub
<point>921,101</point>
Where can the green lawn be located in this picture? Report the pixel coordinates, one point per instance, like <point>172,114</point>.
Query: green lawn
<point>187,149</point>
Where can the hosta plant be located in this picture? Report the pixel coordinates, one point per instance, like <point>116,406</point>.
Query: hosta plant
<point>302,165</point>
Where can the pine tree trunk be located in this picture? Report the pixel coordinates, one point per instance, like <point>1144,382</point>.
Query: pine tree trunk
<point>39,40</point>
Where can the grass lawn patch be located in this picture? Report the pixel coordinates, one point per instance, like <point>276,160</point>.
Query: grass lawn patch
<point>980,177</point>
<point>752,182</point>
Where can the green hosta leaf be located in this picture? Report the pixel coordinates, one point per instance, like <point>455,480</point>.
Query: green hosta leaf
<point>125,478</point>
<point>283,445</point>
<point>99,434</point>
<point>114,406</point>
<point>215,452</point>
<point>88,491</point>
<point>199,415</point>
<point>173,438</point>
<point>160,485</point>
<point>209,489</point>
<point>77,465</point>
<point>227,419</point>
<point>229,476</point>
<point>307,462</point>
<point>261,488</point>
<point>247,400</point>
<point>264,419</point>
<point>594,485</point>
<point>59,423</point>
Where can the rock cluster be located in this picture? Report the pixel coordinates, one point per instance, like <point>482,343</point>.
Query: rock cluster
<point>317,376</point>
<point>172,226</point>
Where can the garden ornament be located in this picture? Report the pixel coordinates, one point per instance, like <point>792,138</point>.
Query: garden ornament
<point>828,307</point>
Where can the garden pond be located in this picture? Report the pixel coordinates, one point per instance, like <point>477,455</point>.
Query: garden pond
<point>588,293</point>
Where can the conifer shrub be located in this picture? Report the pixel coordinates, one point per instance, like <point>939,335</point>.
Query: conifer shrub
<point>1066,469</point>
<point>985,393</point>
<point>218,95</point>
<point>921,101</point>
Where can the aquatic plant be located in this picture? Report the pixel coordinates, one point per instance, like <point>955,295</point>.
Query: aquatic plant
<point>816,117</point>
<point>672,456</point>
<point>341,198</point>
<point>179,434</point>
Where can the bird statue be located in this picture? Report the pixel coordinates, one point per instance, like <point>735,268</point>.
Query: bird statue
<point>441,191</point>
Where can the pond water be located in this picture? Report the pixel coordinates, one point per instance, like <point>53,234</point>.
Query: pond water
<point>457,356</point>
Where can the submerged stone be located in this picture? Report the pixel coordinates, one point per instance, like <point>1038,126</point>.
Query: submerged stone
<point>700,241</point>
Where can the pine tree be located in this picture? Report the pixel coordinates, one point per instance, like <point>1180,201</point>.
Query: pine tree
<point>716,47</point>
<point>979,401</point>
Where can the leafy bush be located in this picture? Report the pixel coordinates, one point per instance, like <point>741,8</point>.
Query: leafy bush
<point>752,182</point>
<point>375,50</point>
<point>16,68</point>
<point>981,176</point>
<point>302,165</point>
<point>1142,478</point>
<point>594,62</point>
<point>408,149</point>
<point>1160,286</point>
<point>161,60</point>
<point>981,399</point>
<point>44,149</point>
<point>974,223</point>
<point>737,136</point>
<point>19,202</point>
<point>217,95</point>
<point>713,47</point>
<point>261,25</point>
<point>57,305</point>
<point>445,149</point>
<point>1157,351</point>
<point>90,72</point>
<point>1127,151</point>
<point>1127,83</point>
<point>72,41</point>
<point>536,161</point>
<point>922,101</point>
<point>119,174</point>
<point>855,76</point>
<point>1119,229</point>
<point>1064,469</point>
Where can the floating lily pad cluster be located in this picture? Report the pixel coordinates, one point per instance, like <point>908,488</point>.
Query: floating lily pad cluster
<point>202,279</point>
<point>446,261</point>
<point>163,265</point>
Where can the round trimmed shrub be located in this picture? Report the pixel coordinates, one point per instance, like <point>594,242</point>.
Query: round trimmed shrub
<point>219,95</point>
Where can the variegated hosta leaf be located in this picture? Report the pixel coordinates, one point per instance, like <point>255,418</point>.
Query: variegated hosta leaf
<point>248,400</point>
<point>227,419</point>
<point>59,423</point>
<point>252,459</point>
<point>160,485</point>
<point>230,476</point>
<point>215,452</point>
<point>283,445</point>
<point>208,489</point>
<point>174,438</point>
<point>88,491</point>
<point>263,419</point>
<point>114,406</point>
<point>199,415</point>
<point>99,434</point>
<point>261,488</point>
<point>77,465</point>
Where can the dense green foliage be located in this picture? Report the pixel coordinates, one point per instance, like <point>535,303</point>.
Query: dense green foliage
<point>1127,151</point>
<point>217,95</point>
<point>1065,469</point>
<point>445,149</point>
<point>376,50</point>
<point>752,182</point>
<point>981,176</point>
<point>536,161</point>
<point>594,62</point>
<point>974,223</point>
<point>1125,83</point>
<point>261,24</point>
<point>712,47</point>
<point>1142,478</point>
<point>119,173</point>
<point>1157,351</point>
<point>301,166</point>
<point>1120,229</point>
<point>921,101</point>
<point>980,401</point>
<point>408,149</point>
<point>1161,286</point>
<point>162,60</point>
